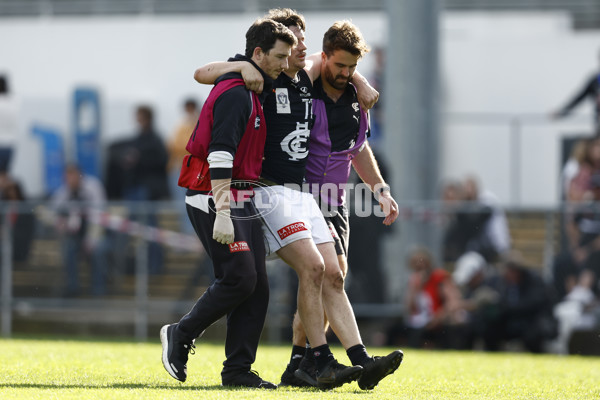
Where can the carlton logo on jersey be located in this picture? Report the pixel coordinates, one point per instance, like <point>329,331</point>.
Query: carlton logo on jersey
<point>291,229</point>
<point>238,246</point>
<point>304,92</point>
<point>295,144</point>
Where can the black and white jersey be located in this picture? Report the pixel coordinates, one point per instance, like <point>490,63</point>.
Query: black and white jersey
<point>289,116</point>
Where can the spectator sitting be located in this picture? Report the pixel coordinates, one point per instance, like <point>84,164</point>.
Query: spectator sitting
<point>525,308</point>
<point>580,309</point>
<point>586,182</point>
<point>582,226</point>
<point>473,275</point>
<point>577,158</point>
<point>434,313</point>
<point>74,204</point>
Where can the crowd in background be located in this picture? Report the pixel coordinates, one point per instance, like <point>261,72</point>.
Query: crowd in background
<point>140,168</point>
<point>480,294</point>
<point>484,294</point>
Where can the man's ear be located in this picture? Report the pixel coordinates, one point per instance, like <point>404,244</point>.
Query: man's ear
<point>258,54</point>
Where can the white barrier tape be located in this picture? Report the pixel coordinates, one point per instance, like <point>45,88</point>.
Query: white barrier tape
<point>149,233</point>
<point>122,224</point>
<point>425,215</point>
<point>183,241</point>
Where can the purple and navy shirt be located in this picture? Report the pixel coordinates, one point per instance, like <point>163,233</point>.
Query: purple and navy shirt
<point>338,135</point>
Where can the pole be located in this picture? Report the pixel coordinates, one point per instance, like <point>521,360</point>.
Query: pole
<point>6,275</point>
<point>410,132</point>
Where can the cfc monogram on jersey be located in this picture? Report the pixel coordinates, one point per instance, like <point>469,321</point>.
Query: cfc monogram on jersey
<point>295,144</point>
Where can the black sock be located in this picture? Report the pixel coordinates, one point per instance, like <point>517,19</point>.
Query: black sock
<point>309,354</point>
<point>297,354</point>
<point>358,355</point>
<point>322,356</point>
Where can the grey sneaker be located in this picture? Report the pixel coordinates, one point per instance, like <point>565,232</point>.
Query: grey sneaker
<point>175,353</point>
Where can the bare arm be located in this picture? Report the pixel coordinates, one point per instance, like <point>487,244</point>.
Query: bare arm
<point>587,90</point>
<point>367,95</point>
<point>366,167</point>
<point>313,66</point>
<point>209,73</point>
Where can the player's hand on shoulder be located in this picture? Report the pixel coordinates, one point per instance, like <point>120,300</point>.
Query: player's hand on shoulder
<point>368,97</point>
<point>252,78</point>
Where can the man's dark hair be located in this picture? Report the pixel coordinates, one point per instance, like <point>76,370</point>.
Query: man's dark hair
<point>287,17</point>
<point>344,35</point>
<point>264,33</point>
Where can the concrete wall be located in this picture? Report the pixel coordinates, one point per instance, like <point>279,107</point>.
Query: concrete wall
<point>524,65</point>
<point>491,63</point>
<point>130,60</point>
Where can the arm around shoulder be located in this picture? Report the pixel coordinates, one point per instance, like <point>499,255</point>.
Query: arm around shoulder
<point>209,73</point>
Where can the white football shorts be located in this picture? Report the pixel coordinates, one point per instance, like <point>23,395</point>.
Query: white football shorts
<point>289,215</point>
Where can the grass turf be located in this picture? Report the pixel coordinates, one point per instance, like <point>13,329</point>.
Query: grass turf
<point>77,369</point>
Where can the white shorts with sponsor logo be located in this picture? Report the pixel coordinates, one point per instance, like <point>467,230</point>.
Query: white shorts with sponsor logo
<point>289,215</point>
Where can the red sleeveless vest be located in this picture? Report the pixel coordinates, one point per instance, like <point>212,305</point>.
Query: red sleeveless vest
<point>247,163</point>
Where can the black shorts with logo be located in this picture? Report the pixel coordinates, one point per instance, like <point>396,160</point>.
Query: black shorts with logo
<point>339,224</point>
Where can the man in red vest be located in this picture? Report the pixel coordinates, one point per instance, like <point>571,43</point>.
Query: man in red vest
<point>226,151</point>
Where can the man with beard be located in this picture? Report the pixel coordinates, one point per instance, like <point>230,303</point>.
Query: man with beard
<point>338,139</point>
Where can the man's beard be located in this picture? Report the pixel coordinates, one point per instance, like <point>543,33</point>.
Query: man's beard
<point>339,84</point>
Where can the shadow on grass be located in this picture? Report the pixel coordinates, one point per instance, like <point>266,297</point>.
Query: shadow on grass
<point>139,386</point>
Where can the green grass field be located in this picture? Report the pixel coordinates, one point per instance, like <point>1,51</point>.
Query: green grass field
<point>77,369</point>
